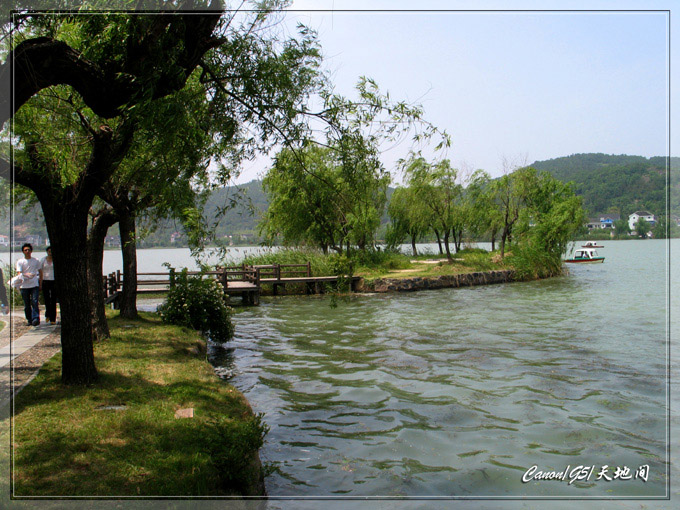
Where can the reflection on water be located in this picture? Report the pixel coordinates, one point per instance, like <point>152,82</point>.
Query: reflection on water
<point>458,392</point>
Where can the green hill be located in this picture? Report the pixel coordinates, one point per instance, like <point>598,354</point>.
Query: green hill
<point>607,183</point>
<point>621,184</point>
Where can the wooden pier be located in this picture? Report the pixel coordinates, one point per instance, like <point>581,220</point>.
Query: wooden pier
<point>242,281</point>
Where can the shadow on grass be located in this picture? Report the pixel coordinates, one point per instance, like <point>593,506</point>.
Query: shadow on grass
<point>138,450</point>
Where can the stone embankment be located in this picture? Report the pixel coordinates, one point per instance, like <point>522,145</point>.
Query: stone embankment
<point>439,282</point>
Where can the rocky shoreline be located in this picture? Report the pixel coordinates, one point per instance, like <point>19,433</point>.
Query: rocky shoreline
<point>382,285</point>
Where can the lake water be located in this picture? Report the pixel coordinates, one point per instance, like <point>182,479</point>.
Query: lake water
<point>458,392</point>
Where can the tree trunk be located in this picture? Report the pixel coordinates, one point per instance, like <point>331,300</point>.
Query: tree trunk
<point>95,255</point>
<point>504,236</point>
<point>66,223</point>
<point>446,244</point>
<point>493,240</point>
<point>458,239</point>
<point>128,238</point>
<point>439,241</point>
<point>413,245</point>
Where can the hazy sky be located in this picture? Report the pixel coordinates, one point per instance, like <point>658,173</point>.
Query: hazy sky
<point>534,85</point>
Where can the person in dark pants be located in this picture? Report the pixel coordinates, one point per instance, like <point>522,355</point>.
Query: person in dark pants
<point>29,269</point>
<point>48,287</point>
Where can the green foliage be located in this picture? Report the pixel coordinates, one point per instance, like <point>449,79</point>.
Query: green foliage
<point>333,196</point>
<point>642,228</point>
<point>619,183</point>
<point>553,215</point>
<point>408,215</point>
<point>233,446</point>
<point>383,259</point>
<point>439,189</point>
<point>198,303</point>
<point>326,197</point>
<point>664,228</point>
<point>530,262</point>
<point>621,229</point>
<point>340,265</point>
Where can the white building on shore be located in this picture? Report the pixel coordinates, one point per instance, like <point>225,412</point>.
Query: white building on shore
<point>635,217</point>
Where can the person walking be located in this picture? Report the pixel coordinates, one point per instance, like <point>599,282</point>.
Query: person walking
<point>29,269</point>
<point>48,287</point>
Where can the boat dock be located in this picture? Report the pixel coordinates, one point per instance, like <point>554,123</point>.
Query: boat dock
<point>241,281</point>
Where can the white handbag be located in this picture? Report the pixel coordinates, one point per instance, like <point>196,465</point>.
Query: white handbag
<point>16,282</point>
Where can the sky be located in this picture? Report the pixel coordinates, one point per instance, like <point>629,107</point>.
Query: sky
<point>514,81</point>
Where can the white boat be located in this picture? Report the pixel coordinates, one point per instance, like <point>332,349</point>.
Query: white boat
<point>592,244</point>
<point>586,256</point>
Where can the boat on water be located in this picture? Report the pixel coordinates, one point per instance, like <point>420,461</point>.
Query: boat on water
<point>586,256</point>
<point>592,244</point>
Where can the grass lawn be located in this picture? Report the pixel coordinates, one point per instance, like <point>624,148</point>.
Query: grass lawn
<point>121,437</point>
<point>465,261</point>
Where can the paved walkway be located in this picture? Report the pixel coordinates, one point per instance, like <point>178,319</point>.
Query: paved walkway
<point>25,338</point>
<point>24,342</point>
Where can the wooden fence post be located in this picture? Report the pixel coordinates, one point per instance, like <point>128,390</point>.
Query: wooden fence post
<point>309,269</point>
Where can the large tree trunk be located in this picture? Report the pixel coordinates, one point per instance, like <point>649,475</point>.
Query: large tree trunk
<point>504,237</point>
<point>446,244</point>
<point>458,239</point>
<point>95,255</point>
<point>128,238</point>
<point>439,241</point>
<point>67,228</point>
<point>413,245</point>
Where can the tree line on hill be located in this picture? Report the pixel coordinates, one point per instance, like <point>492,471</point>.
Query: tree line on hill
<point>607,184</point>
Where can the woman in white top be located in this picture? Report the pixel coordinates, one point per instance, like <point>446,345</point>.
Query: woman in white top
<point>48,287</point>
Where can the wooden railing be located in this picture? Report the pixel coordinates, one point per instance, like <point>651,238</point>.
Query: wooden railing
<point>161,281</point>
<point>279,271</point>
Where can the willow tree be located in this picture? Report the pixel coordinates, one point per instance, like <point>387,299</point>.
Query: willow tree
<point>408,218</point>
<point>550,218</point>
<point>333,193</point>
<point>323,197</point>
<point>437,187</point>
<point>119,65</point>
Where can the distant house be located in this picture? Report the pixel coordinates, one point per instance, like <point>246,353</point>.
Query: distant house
<point>4,240</point>
<point>607,220</point>
<point>603,221</point>
<point>34,239</point>
<point>633,218</point>
<point>112,241</point>
<point>18,241</point>
<point>593,224</point>
<point>175,237</point>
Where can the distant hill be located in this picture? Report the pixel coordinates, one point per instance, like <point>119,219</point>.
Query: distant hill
<point>611,183</point>
<point>607,183</point>
<point>242,207</point>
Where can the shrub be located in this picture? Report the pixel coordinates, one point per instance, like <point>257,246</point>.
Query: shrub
<point>232,446</point>
<point>531,263</point>
<point>199,304</point>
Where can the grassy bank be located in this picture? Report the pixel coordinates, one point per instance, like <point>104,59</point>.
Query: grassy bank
<point>120,437</point>
<point>385,264</point>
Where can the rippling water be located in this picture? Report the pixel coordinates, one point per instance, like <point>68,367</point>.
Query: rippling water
<point>458,392</point>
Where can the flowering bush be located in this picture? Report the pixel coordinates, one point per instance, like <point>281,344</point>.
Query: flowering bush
<point>198,303</point>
